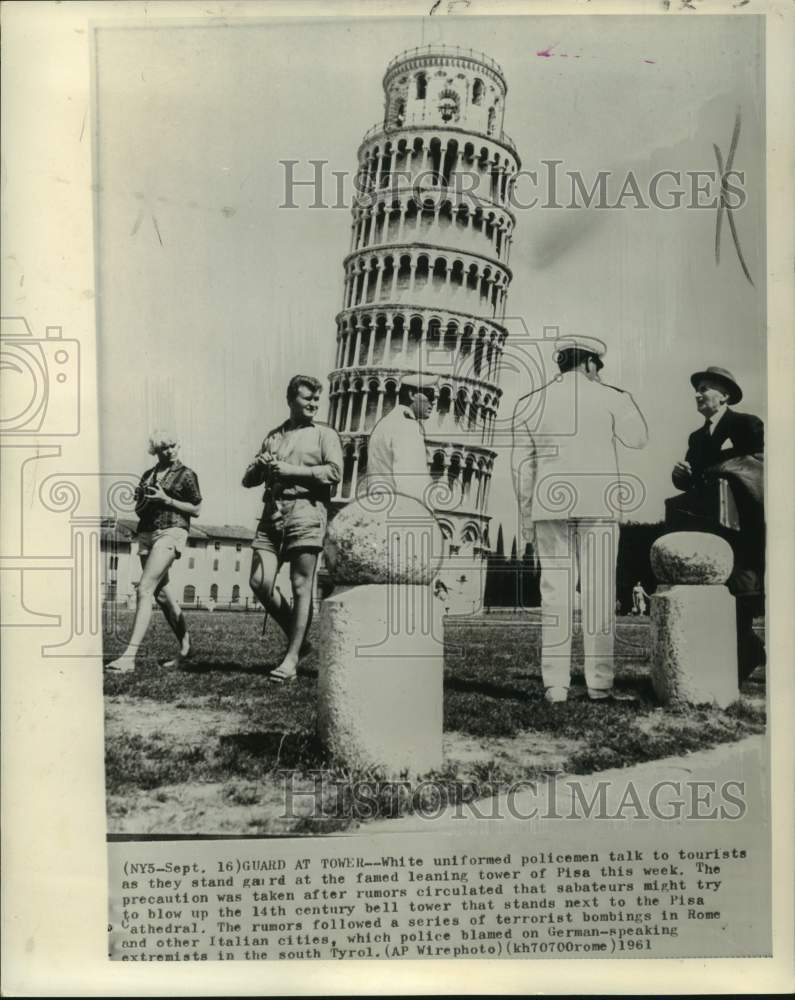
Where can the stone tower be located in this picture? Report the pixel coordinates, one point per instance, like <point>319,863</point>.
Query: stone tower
<point>427,276</point>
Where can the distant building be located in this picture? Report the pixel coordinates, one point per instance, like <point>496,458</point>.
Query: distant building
<point>214,566</point>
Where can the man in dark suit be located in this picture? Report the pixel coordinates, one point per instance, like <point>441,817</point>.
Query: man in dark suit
<point>730,447</point>
<point>725,434</point>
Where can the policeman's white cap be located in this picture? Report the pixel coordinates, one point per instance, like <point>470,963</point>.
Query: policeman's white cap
<point>591,345</point>
<point>420,380</point>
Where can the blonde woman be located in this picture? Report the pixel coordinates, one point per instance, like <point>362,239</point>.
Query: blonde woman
<point>167,498</point>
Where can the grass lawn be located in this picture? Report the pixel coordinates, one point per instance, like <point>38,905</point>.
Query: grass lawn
<point>209,750</point>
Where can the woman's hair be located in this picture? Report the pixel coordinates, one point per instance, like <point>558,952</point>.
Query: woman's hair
<point>307,381</point>
<point>161,436</point>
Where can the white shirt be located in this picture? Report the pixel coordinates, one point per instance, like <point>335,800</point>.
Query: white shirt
<point>564,461</point>
<point>713,420</point>
<point>396,455</point>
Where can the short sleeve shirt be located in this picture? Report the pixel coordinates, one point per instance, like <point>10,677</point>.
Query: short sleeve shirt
<point>315,446</point>
<point>178,482</point>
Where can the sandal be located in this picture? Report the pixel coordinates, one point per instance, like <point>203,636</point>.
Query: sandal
<point>180,659</point>
<point>122,665</point>
<point>279,676</point>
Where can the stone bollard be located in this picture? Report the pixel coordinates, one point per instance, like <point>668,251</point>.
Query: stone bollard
<point>693,625</point>
<point>381,655</point>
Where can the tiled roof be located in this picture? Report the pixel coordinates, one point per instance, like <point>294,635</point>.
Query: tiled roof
<point>233,531</point>
<point>120,531</point>
<point>126,529</point>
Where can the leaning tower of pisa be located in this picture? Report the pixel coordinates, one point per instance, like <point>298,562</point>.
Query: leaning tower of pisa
<point>427,275</point>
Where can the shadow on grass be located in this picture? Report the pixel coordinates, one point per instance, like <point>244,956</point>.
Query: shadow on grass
<point>295,750</point>
<point>638,688</point>
<point>489,688</point>
<point>149,762</point>
<point>198,666</point>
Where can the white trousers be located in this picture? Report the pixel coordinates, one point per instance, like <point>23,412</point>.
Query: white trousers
<point>583,549</point>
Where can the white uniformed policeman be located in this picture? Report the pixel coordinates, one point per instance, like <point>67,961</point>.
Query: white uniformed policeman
<point>565,472</point>
<point>396,456</point>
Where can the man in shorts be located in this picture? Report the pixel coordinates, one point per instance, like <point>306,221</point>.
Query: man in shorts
<point>299,463</point>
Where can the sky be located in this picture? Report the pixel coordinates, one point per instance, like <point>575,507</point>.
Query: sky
<point>211,295</point>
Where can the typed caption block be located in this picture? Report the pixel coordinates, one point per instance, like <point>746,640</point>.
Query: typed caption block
<point>349,898</point>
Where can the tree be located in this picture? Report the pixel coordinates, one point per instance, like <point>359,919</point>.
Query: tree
<point>495,575</point>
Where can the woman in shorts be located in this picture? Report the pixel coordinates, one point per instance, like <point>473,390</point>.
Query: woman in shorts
<point>167,498</point>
